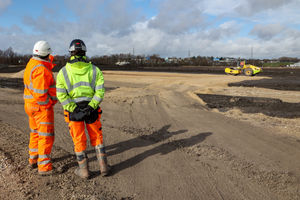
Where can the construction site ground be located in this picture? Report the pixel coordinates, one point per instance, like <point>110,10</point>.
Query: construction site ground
<point>168,136</point>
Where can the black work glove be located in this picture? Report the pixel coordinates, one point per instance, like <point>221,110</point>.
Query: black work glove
<point>92,115</point>
<point>77,115</point>
<point>88,110</point>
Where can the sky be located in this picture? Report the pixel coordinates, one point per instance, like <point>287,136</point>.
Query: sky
<point>181,28</point>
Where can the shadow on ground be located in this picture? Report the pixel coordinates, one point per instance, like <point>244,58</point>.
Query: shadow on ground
<point>141,141</point>
<point>162,149</point>
<point>268,106</point>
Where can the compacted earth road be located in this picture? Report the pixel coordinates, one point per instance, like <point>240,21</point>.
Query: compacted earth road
<point>168,136</point>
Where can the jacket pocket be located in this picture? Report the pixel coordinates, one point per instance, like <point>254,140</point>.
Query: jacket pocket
<point>31,109</point>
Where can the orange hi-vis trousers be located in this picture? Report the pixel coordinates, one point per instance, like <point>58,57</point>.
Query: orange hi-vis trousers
<point>41,123</point>
<point>77,131</point>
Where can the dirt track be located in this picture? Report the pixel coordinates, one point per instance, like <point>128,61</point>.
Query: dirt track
<point>164,142</point>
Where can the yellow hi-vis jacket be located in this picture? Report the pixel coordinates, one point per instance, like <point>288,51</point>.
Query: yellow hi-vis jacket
<point>79,81</point>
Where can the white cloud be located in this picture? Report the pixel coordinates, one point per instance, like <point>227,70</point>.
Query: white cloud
<point>220,7</point>
<point>176,16</point>
<point>252,7</point>
<point>179,27</point>
<point>115,16</point>
<point>4,4</point>
<point>267,32</point>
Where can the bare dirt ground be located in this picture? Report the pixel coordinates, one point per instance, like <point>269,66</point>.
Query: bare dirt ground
<point>168,136</point>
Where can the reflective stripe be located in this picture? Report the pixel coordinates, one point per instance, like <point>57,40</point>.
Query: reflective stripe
<point>97,98</point>
<point>33,131</point>
<point>44,156</point>
<point>67,80</point>
<point>100,149</point>
<point>40,91</point>
<point>82,153</point>
<point>40,65</point>
<point>33,150</point>
<point>43,102</point>
<point>94,77</point>
<point>79,84</point>
<point>28,96</point>
<point>33,156</point>
<point>99,87</point>
<point>79,99</point>
<point>61,90</point>
<point>99,146</point>
<point>36,90</point>
<point>76,85</point>
<point>45,134</point>
<point>66,102</point>
<point>46,123</point>
<point>44,162</point>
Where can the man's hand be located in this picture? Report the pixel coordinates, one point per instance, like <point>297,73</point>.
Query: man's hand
<point>88,110</point>
<point>77,114</point>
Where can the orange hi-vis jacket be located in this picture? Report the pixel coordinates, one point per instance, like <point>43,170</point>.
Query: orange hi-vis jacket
<point>39,83</point>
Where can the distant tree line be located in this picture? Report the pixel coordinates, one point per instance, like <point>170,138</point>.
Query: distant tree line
<point>10,57</point>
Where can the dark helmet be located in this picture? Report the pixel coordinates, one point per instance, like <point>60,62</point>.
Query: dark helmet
<point>77,45</point>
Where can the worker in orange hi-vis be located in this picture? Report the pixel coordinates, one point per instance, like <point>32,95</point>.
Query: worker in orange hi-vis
<point>40,97</point>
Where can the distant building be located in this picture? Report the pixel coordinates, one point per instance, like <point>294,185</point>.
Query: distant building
<point>295,64</point>
<point>122,63</point>
<point>216,59</point>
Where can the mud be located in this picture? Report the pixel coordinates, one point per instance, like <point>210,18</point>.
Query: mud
<point>267,71</point>
<point>11,68</point>
<point>268,106</point>
<point>15,83</point>
<point>290,83</point>
<point>24,183</point>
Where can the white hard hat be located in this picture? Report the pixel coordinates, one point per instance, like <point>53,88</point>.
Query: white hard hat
<point>41,48</point>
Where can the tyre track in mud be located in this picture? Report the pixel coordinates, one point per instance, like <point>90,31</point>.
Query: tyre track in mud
<point>247,169</point>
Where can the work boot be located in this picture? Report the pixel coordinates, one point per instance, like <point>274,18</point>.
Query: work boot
<point>82,171</point>
<point>102,159</point>
<point>45,173</point>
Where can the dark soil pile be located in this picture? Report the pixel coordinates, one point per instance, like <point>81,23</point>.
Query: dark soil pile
<point>268,106</point>
<point>291,83</point>
<point>15,83</point>
<point>11,69</point>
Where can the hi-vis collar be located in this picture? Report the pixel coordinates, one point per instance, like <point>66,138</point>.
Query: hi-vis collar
<point>75,59</point>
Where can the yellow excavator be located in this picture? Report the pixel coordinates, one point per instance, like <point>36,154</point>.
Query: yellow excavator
<point>246,69</point>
